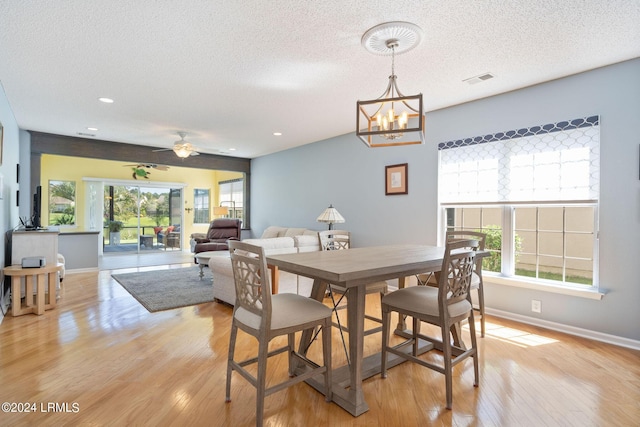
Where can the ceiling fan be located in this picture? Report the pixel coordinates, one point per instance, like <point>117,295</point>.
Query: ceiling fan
<point>182,148</point>
<point>142,169</point>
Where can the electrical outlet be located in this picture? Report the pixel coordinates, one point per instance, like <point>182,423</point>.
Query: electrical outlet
<point>536,306</point>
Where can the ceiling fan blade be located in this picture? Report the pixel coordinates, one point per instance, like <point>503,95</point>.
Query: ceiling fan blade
<point>162,149</point>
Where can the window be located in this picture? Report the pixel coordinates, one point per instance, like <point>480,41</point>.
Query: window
<point>486,220</point>
<point>555,243</point>
<point>201,202</point>
<point>231,195</point>
<point>535,192</point>
<point>62,202</point>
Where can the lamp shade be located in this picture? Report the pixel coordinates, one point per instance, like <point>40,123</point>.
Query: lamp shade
<point>331,216</point>
<point>220,210</point>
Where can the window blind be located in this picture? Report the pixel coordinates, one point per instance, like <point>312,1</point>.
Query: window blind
<point>547,163</point>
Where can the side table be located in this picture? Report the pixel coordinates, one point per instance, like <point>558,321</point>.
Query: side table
<point>203,259</point>
<point>146,240</point>
<point>16,272</point>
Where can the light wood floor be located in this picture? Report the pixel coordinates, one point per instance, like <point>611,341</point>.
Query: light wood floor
<point>108,362</point>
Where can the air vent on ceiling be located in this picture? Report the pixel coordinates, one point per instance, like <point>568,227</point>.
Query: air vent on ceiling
<point>478,79</point>
<point>86,134</point>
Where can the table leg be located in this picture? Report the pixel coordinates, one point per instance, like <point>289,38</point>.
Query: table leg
<point>16,296</point>
<point>355,319</point>
<point>275,276</point>
<point>201,272</point>
<point>53,288</point>
<point>28,290</point>
<point>40,295</point>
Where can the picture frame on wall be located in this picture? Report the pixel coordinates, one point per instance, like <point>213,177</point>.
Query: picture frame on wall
<point>396,181</point>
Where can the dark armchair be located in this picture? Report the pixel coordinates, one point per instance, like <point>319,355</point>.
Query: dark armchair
<point>220,230</point>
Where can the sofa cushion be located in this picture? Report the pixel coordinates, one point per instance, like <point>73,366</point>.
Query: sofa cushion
<point>277,231</point>
<point>290,232</point>
<point>307,243</point>
<point>275,245</point>
<point>273,231</point>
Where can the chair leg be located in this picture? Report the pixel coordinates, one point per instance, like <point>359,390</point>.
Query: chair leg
<point>232,348</point>
<point>481,305</point>
<point>416,331</point>
<point>474,345</point>
<point>263,350</point>
<point>448,371</point>
<point>291,342</point>
<point>326,358</point>
<point>386,324</point>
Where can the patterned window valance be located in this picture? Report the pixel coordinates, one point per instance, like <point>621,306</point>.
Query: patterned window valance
<point>548,163</point>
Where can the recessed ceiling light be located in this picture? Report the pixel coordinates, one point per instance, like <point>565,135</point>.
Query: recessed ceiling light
<point>277,133</point>
<point>106,100</point>
<point>94,129</point>
<point>232,149</point>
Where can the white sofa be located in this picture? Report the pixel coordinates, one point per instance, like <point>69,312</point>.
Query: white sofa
<point>275,241</point>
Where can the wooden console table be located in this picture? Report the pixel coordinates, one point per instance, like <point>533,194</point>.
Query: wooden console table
<point>40,305</point>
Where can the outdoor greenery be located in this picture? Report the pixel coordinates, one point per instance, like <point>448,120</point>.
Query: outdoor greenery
<point>555,276</point>
<point>493,243</point>
<point>62,198</point>
<point>63,219</point>
<point>154,210</point>
<point>115,226</point>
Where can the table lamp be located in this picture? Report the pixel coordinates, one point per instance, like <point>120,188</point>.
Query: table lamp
<point>331,216</point>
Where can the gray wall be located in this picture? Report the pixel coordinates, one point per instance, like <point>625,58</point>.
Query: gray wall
<point>291,188</point>
<point>8,208</point>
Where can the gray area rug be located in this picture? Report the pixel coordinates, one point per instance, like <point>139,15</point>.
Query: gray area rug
<point>167,289</point>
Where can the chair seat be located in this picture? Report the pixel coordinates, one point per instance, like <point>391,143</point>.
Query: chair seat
<point>422,299</point>
<point>287,310</point>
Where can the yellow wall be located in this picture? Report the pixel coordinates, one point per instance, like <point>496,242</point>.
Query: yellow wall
<point>62,168</point>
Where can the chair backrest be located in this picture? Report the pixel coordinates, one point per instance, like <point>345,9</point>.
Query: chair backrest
<point>331,240</point>
<point>457,267</point>
<point>224,228</point>
<point>465,235</point>
<point>252,282</point>
<point>453,235</point>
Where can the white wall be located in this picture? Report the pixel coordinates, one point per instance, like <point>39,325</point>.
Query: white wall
<point>291,188</point>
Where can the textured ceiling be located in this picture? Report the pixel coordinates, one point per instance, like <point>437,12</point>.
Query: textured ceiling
<point>230,73</point>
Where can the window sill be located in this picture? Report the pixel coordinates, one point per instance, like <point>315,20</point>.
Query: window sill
<point>564,290</point>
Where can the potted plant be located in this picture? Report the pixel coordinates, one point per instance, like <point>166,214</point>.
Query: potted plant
<point>114,232</point>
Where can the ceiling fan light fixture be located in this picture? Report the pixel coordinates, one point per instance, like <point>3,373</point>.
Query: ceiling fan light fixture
<point>393,119</point>
<point>183,150</point>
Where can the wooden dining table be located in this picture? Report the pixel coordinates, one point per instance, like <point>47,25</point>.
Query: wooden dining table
<point>355,268</point>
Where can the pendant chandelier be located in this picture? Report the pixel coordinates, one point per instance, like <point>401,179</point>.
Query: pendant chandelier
<point>393,119</point>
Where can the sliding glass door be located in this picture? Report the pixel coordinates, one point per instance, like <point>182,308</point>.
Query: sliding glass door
<point>140,219</point>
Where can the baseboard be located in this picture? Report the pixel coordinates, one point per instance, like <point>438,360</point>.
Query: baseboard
<point>584,333</point>
<point>82,270</point>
